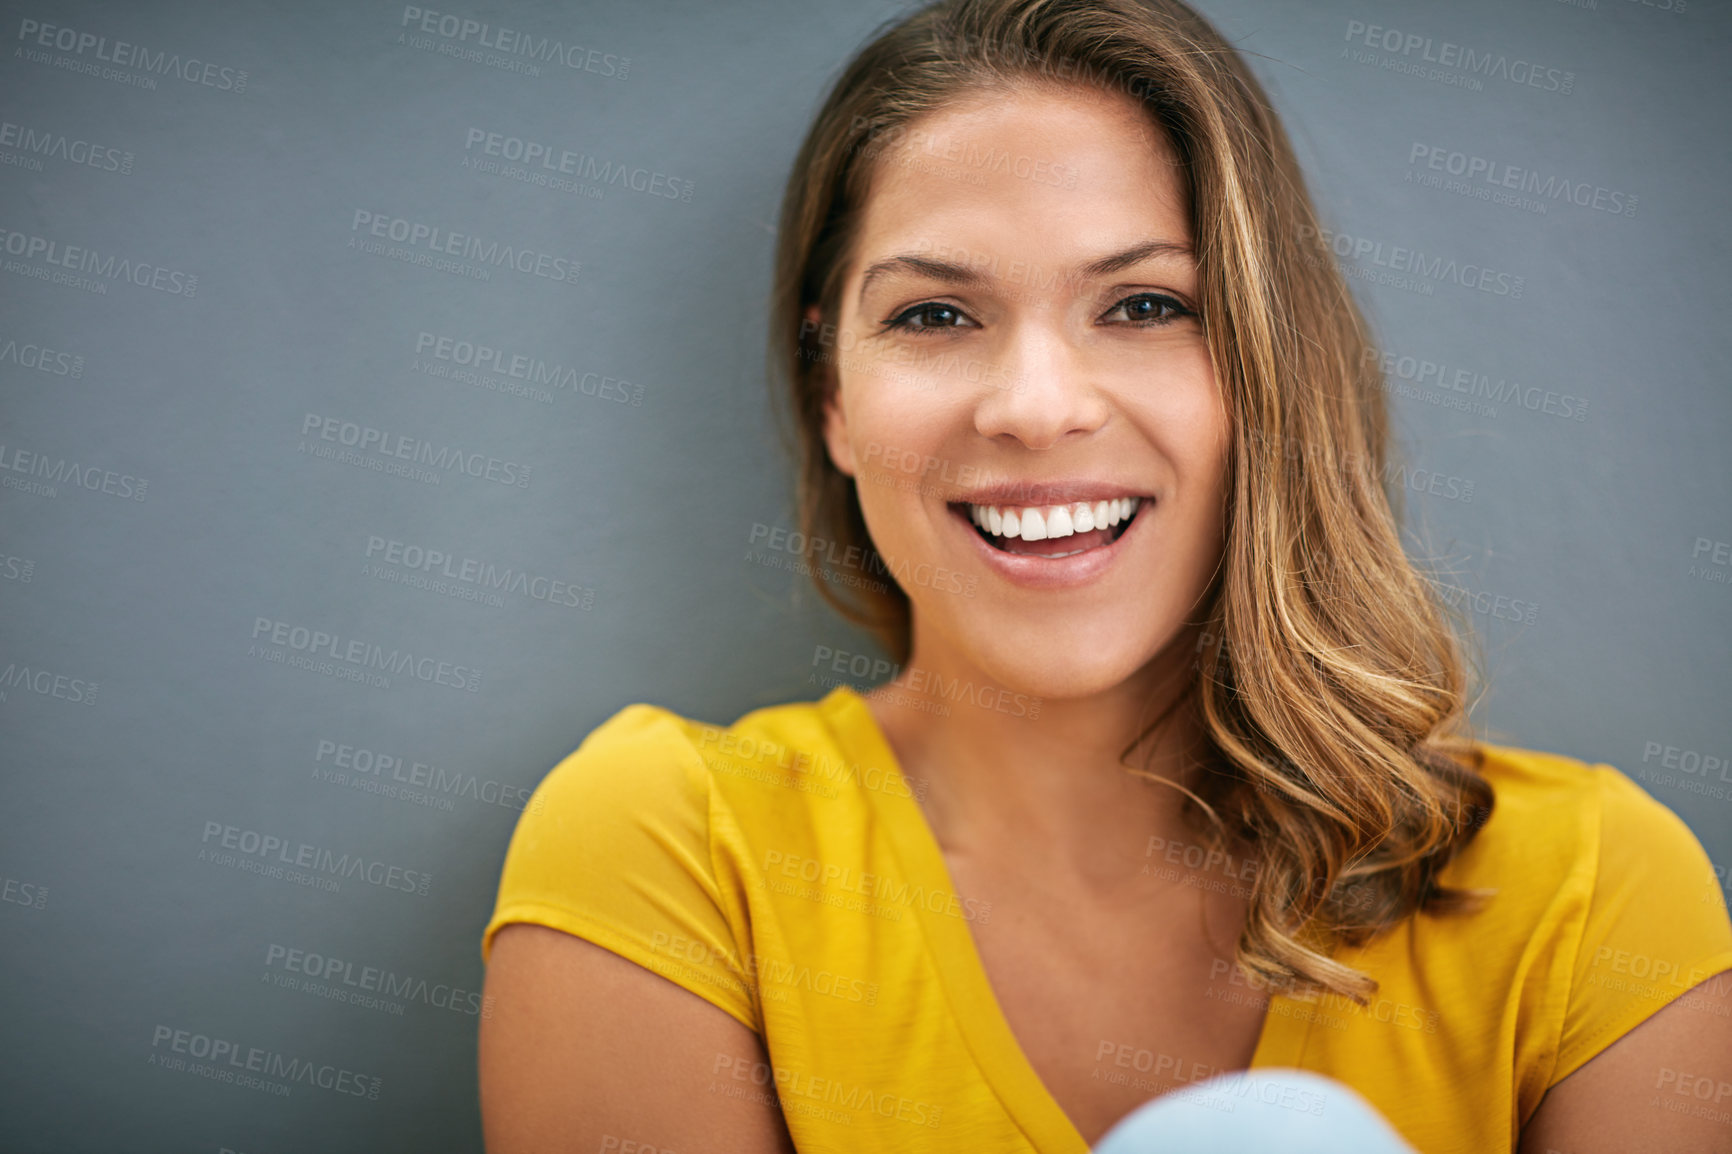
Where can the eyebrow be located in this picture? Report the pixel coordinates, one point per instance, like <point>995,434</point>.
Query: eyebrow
<point>959,274</point>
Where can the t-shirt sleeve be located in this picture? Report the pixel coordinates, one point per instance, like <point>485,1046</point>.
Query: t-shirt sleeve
<point>1656,925</point>
<point>614,847</point>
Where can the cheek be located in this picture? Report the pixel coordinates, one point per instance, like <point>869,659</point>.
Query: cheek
<point>1188,427</point>
<point>1202,484</point>
<point>1183,416</point>
<point>892,463</point>
<point>898,435</point>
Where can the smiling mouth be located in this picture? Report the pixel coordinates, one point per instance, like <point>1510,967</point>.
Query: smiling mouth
<point>1052,531</point>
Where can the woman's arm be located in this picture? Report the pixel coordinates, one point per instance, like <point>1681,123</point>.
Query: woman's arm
<point>582,1050</point>
<point>1664,1086</point>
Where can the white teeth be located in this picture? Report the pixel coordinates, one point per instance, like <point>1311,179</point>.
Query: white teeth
<point>1041,522</point>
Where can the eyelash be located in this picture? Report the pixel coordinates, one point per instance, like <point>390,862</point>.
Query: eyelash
<point>901,321</point>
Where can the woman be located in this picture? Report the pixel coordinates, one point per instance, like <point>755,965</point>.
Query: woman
<point>1173,777</point>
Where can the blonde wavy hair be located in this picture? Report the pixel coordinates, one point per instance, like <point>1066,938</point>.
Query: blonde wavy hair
<point>1333,698</point>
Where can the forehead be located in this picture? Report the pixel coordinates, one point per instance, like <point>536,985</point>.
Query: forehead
<point>1052,174</point>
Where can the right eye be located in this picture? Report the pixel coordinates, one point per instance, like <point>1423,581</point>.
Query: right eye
<point>928,316</point>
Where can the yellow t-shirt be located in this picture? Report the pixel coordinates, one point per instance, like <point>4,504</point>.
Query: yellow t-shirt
<point>782,869</point>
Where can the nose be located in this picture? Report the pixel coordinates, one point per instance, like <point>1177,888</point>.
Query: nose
<point>1043,390</point>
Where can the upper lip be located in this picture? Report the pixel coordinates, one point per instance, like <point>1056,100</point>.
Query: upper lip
<point>1067,492</point>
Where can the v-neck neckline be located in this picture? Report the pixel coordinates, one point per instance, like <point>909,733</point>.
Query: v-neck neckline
<point>985,1029</point>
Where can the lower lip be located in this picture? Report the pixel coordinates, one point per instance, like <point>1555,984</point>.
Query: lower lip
<point>1033,572</point>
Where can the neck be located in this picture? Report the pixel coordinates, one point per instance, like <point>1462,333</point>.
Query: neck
<point>1054,790</point>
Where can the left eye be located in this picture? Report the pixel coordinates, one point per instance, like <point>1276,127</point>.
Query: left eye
<point>1149,308</point>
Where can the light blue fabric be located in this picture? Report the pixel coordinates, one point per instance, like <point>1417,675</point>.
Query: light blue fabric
<point>1274,1110</point>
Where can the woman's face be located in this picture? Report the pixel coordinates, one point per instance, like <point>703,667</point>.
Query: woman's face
<point>1017,338</point>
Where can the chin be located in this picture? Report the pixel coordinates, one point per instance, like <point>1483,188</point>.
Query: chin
<point>1055,665</point>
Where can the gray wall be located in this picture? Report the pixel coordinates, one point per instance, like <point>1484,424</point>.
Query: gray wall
<point>161,731</point>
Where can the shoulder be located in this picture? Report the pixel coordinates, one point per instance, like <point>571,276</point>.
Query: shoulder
<point>649,765</point>
<point>1583,865</point>
<point>1558,818</point>
<point>640,749</point>
<point>640,729</point>
<point>1601,887</point>
<point>633,841</point>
